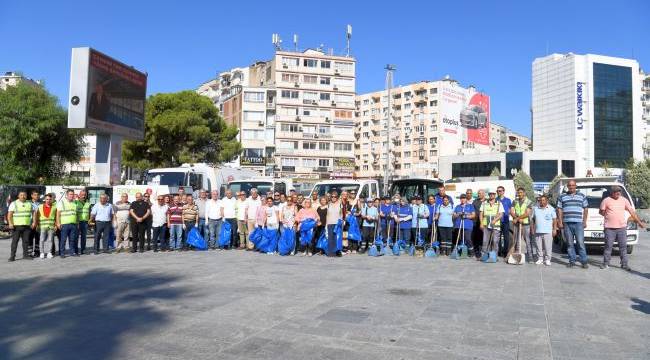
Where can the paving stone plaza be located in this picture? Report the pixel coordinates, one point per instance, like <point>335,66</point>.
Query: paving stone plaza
<point>242,305</point>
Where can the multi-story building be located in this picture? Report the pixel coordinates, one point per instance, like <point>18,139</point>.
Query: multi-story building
<point>587,105</point>
<point>11,78</point>
<point>294,112</point>
<point>645,113</point>
<point>428,119</point>
<point>503,139</point>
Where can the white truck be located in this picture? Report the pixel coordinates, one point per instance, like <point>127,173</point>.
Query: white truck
<point>264,185</point>
<point>194,177</point>
<point>596,189</point>
<point>367,188</point>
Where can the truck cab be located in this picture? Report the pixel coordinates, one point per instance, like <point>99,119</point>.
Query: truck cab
<point>195,177</point>
<point>367,188</point>
<point>596,189</point>
<point>415,186</point>
<point>264,185</point>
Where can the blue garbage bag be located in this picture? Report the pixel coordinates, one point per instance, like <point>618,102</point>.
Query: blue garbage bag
<point>354,233</point>
<point>269,241</point>
<point>195,239</point>
<point>256,236</point>
<point>287,241</point>
<point>225,234</point>
<point>307,227</point>
<point>322,240</point>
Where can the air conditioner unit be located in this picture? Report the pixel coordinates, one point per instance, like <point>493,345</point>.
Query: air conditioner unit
<point>328,120</point>
<point>314,102</point>
<point>315,136</point>
<point>336,72</point>
<point>336,88</point>
<point>297,118</point>
<point>261,123</point>
<point>333,103</point>
<point>285,66</point>
<point>296,85</point>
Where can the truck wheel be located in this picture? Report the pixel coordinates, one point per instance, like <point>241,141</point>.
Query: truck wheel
<point>630,248</point>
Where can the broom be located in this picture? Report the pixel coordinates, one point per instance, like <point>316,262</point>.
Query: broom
<point>454,253</point>
<point>417,234</point>
<point>372,251</point>
<point>492,254</point>
<point>385,249</point>
<point>431,252</point>
<point>396,249</point>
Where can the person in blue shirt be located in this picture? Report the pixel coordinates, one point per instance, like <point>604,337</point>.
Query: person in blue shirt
<point>464,215</point>
<point>404,216</point>
<point>386,212</point>
<point>433,208</point>
<point>443,194</point>
<point>445,225</point>
<point>420,224</point>
<point>369,215</point>
<point>505,220</point>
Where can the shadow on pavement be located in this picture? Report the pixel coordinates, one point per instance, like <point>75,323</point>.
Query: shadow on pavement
<point>84,316</point>
<point>641,305</point>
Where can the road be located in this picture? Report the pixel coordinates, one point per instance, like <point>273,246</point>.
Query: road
<point>241,305</point>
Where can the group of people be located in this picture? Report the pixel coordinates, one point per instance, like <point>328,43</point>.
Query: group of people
<point>482,222</point>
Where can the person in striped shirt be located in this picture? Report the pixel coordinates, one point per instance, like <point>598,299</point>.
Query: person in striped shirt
<point>572,220</point>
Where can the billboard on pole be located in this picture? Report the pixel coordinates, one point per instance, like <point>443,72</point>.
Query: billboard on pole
<point>465,118</point>
<point>106,96</point>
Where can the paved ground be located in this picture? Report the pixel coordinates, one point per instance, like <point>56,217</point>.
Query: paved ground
<point>238,305</point>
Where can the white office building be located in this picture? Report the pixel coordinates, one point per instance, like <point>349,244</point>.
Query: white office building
<point>588,105</point>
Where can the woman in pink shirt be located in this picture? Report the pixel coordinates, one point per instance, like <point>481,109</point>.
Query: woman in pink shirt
<point>613,209</point>
<point>307,212</point>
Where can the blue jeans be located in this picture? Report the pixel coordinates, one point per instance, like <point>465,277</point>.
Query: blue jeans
<point>176,236</point>
<point>203,228</point>
<point>83,234</point>
<point>405,235</point>
<point>575,230</point>
<point>159,236</point>
<point>214,227</point>
<point>69,233</point>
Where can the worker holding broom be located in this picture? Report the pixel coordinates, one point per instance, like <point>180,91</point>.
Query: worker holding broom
<point>464,214</point>
<point>520,212</point>
<point>491,214</point>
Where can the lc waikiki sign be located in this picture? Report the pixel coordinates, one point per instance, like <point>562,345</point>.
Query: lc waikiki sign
<point>579,105</point>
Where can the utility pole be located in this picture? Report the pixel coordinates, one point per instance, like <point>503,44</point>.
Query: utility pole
<point>389,85</point>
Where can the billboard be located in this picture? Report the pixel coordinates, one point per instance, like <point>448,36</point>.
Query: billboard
<point>465,118</point>
<point>106,96</point>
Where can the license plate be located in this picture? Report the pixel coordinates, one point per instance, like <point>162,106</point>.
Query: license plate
<point>597,235</point>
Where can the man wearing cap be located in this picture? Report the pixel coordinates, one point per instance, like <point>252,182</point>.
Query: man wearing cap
<point>464,214</point>
<point>520,212</point>
<point>491,215</point>
<point>572,219</point>
<point>613,208</point>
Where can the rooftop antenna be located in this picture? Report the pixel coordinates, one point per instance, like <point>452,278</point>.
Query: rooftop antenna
<point>320,47</point>
<point>348,36</point>
<point>277,42</point>
<point>295,41</point>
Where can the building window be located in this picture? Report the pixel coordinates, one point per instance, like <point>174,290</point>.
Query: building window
<point>433,91</point>
<point>514,162</point>
<point>324,162</point>
<point>324,130</point>
<point>289,127</point>
<point>289,94</point>
<point>309,145</point>
<point>342,147</point>
<point>310,96</point>
<point>289,62</point>
<point>569,168</point>
<point>288,145</point>
<point>291,78</point>
<point>324,80</point>
<point>543,170</point>
<point>310,163</point>
<point>407,166</point>
<point>343,66</point>
<point>433,152</point>
<point>366,102</point>
<point>310,63</point>
<point>365,167</point>
<point>310,79</point>
<point>253,115</point>
<point>474,169</point>
<point>252,134</point>
<point>613,136</point>
<point>323,146</point>
<point>325,64</point>
<point>250,96</point>
<point>325,96</point>
<point>407,154</point>
<point>289,161</point>
<point>433,103</point>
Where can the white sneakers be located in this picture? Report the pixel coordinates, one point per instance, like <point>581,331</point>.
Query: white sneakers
<point>539,262</point>
<point>49,255</point>
<point>547,262</point>
<point>42,256</point>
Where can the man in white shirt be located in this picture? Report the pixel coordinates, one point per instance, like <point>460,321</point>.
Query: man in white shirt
<point>159,223</point>
<point>253,203</point>
<point>242,229</point>
<point>229,214</point>
<point>214,217</point>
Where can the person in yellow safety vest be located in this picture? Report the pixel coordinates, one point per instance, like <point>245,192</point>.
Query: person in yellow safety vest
<point>66,222</point>
<point>491,214</point>
<point>83,216</point>
<point>520,213</point>
<point>34,241</point>
<point>20,219</point>
<point>45,216</point>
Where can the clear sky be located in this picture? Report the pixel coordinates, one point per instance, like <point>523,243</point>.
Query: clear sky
<point>184,43</point>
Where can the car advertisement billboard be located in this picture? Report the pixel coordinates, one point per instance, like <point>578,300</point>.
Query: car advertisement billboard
<point>106,96</point>
<point>476,118</point>
<point>464,118</point>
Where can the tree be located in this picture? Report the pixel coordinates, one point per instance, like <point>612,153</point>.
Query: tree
<point>523,180</point>
<point>181,127</point>
<point>495,172</point>
<point>637,181</point>
<point>555,181</point>
<point>35,141</point>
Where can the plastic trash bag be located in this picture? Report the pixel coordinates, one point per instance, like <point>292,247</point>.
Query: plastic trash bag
<point>269,240</point>
<point>256,236</point>
<point>307,227</point>
<point>322,240</point>
<point>354,233</point>
<point>225,234</point>
<point>195,239</point>
<point>287,241</point>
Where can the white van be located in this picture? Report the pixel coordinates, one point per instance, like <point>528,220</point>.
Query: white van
<point>264,185</point>
<point>596,189</point>
<point>367,188</point>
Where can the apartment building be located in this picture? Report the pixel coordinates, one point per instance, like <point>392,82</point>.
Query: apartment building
<point>294,112</point>
<point>645,111</point>
<point>429,119</point>
<point>503,139</point>
<point>11,78</point>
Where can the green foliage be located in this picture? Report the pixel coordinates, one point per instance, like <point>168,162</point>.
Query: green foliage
<point>637,181</point>
<point>555,181</point>
<point>181,127</point>
<point>35,141</point>
<point>606,166</point>
<point>495,172</point>
<point>523,180</point>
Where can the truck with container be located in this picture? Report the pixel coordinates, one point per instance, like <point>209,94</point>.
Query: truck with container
<point>264,185</point>
<point>367,188</point>
<point>195,177</point>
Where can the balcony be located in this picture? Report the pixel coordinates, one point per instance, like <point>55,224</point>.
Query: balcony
<point>270,104</point>
<point>321,169</point>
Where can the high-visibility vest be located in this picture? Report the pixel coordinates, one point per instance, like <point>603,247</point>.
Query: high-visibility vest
<point>22,213</point>
<point>83,210</point>
<point>46,222</point>
<point>68,210</point>
<point>520,209</point>
<point>490,211</point>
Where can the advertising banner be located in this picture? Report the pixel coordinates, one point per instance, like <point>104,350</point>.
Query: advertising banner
<point>465,118</point>
<point>478,107</point>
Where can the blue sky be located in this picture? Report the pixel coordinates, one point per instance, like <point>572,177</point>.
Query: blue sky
<point>184,43</point>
